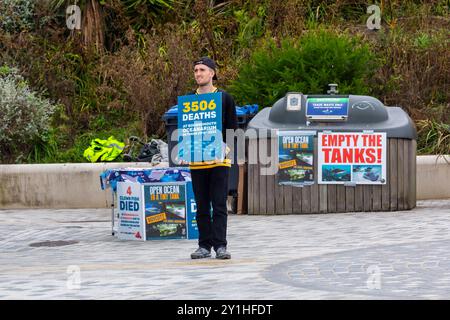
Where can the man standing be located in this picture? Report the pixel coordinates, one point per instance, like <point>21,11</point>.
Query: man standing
<point>210,179</point>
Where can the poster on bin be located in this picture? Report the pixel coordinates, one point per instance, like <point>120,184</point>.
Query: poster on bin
<point>200,127</point>
<point>295,158</point>
<point>352,158</point>
<point>131,211</point>
<point>165,211</point>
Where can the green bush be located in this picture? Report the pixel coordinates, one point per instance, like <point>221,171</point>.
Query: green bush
<point>16,15</point>
<point>305,65</point>
<point>25,116</point>
<point>433,137</point>
<point>249,28</point>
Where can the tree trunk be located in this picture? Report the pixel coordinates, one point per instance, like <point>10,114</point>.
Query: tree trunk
<point>93,26</point>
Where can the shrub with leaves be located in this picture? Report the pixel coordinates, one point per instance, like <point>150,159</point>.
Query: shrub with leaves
<point>305,65</point>
<point>16,15</point>
<point>433,137</point>
<point>25,116</point>
<point>415,72</point>
<point>147,82</point>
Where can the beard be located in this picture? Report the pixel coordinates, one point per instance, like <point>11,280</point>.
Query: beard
<point>203,84</point>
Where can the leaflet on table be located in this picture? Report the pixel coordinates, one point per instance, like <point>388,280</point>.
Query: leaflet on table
<point>295,158</point>
<point>200,127</point>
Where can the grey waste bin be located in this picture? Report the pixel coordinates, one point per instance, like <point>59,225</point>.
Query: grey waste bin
<point>365,114</point>
<point>243,113</point>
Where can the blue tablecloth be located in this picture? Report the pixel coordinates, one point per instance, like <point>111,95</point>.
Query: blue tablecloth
<point>109,178</point>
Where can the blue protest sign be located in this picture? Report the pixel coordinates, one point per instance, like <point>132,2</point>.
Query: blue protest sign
<point>200,127</point>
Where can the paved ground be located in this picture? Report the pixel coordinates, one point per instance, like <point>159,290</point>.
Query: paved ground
<point>387,255</point>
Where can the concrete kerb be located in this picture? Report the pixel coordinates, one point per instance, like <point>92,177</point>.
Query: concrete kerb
<point>77,185</point>
<point>59,186</point>
<point>433,177</point>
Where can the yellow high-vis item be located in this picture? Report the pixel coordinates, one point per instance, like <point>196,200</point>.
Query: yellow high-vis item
<point>104,150</point>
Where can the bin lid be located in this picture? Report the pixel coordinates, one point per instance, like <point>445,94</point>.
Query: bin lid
<point>172,112</point>
<point>365,113</point>
<point>240,111</point>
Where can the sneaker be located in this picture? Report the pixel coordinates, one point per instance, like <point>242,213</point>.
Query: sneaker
<point>222,253</point>
<point>201,253</point>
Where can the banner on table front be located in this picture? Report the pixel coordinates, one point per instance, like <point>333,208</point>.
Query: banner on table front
<point>352,157</point>
<point>131,220</point>
<point>165,210</point>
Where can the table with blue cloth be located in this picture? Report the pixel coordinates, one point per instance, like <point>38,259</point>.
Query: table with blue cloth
<point>144,179</point>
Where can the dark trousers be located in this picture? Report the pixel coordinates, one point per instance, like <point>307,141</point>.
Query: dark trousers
<point>211,188</point>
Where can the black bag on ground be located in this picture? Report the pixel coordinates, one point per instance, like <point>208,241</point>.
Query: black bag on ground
<point>147,152</point>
